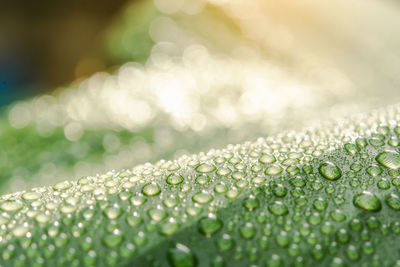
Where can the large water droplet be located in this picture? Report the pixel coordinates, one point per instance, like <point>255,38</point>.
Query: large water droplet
<point>389,159</point>
<point>367,201</point>
<point>330,171</point>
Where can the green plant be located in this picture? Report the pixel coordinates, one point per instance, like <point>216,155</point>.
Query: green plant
<point>326,196</point>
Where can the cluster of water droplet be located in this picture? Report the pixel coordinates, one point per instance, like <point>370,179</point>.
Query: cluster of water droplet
<point>327,195</point>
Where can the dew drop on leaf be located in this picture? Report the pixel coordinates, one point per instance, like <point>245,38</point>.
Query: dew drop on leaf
<point>181,256</point>
<point>330,171</point>
<point>209,225</point>
<point>389,159</point>
<point>205,168</point>
<point>151,189</point>
<point>367,201</point>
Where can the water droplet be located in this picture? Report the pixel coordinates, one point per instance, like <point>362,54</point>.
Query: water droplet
<point>282,239</point>
<point>170,202</point>
<point>220,188</point>
<point>383,184</point>
<point>298,182</point>
<point>202,198</point>
<point>202,179</point>
<point>151,189</point>
<point>266,159</point>
<point>223,171</point>
<point>279,190</point>
<point>233,193</point>
<point>20,230</point>
<point>113,240</point>
<point>342,236</point>
<point>169,227</point>
<point>113,212</point>
<point>389,159</point>
<point>338,216</point>
<point>367,201</point>
<point>90,259</point>
<point>11,205</point>
<point>181,256</point>
<point>274,261</point>
<point>352,253</point>
<point>225,242</point>
<point>273,170</point>
<point>330,171</point>
<point>127,250</point>
<point>42,218</point>
<point>320,204</point>
<point>205,168</point>
<point>248,230</point>
<point>278,208</point>
<point>31,196</point>
<point>61,186</point>
<point>393,201</point>
<point>157,214</point>
<point>138,200</point>
<point>209,225</point>
<point>173,179</point>
<point>134,219</point>
<point>251,203</point>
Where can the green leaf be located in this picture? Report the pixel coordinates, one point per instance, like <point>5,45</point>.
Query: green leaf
<point>297,216</point>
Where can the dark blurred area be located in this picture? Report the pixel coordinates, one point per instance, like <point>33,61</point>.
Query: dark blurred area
<point>45,44</point>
